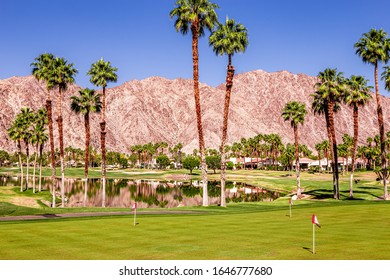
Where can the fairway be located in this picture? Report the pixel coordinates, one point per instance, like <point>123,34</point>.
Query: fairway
<point>350,231</point>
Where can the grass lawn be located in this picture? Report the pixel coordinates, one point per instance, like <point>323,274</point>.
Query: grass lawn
<point>350,230</point>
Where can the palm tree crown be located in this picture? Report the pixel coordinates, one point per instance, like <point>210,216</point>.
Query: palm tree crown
<point>194,13</point>
<point>386,77</point>
<point>229,39</point>
<point>42,67</point>
<point>373,46</point>
<point>331,84</point>
<point>62,74</point>
<point>102,72</point>
<point>87,102</point>
<point>358,93</point>
<point>294,112</point>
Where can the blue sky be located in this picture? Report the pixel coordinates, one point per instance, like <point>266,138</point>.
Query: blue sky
<point>138,37</point>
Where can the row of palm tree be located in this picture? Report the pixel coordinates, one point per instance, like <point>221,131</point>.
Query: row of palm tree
<point>227,39</point>
<point>58,74</point>
<point>374,48</point>
<point>29,127</point>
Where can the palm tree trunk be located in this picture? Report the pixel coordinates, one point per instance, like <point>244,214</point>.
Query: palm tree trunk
<point>229,85</point>
<point>103,147</point>
<point>297,164</point>
<point>52,151</point>
<point>381,133</point>
<point>195,59</point>
<point>40,167</point>
<point>61,134</point>
<point>333,145</point>
<point>28,162</point>
<point>20,165</point>
<point>35,166</point>
<point>87,140</point>
<point>355,140</point>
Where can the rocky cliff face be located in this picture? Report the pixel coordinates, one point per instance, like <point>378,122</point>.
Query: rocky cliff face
<point>157,109</point>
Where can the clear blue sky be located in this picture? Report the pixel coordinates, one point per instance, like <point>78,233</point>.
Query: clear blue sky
<point>138,37</point>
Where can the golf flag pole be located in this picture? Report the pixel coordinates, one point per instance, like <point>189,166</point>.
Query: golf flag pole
<point>315,222</point>
<point>135,212</point>
<point>290,202</point>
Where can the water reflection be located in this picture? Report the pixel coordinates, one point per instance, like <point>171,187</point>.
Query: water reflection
<point>149,194</point>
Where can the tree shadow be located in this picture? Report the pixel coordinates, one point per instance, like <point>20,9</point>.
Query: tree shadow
<point>320,193</point>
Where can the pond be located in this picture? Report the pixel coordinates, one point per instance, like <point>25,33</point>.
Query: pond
<point>149,193</point>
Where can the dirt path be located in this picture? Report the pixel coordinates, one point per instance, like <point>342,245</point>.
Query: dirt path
<point>91,214</point>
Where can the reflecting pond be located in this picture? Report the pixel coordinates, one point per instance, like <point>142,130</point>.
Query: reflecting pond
<point>149,193</point>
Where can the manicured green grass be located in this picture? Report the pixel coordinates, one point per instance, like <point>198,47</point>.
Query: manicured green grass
<point>350,230</point>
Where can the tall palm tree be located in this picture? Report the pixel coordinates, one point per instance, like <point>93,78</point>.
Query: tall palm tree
<point>42,67</point>
<point>228,39</point>
<point>196,15</point>
<point>295,113</point>
<point>61,76</point>
<point>357,95</point>
<point>15,132</point>
<point>85,104</point>
<point>27,118</point>
<point>374,47</point>
<point>38,139</point>
<point>330,89</point>
<point>101,73</point>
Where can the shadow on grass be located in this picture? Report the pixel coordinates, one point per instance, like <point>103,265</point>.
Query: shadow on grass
<point>308,249</point>
<point>320,193</point>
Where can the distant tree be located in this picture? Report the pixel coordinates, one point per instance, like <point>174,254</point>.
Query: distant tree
<point>374,47</point>
<point>288,156</point>
<point>196,15</point>
<point>163,161</point>
<point>101,73</point>
<point>4,156</point>
<point>213,162</point>
<point>191,162</point>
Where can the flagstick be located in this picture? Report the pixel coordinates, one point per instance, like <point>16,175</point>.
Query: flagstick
<point>290,210</point>
<point>314,243</point>
<point>135,214</point>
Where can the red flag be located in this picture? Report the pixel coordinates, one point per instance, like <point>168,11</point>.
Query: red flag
<point>134,206</point>
<point>315,221</point>
<point>290,202</point>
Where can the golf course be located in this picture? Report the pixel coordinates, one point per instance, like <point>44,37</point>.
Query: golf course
<point>351,229</point>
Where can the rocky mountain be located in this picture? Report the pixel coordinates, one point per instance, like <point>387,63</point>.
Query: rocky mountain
<point>158,109</point>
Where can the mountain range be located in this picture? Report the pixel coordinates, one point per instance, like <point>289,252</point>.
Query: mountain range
<point>159,109</point>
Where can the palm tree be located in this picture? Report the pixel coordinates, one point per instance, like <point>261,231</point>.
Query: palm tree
<point>374,47</point>
<point>27,117</point>
<point>357,95</point>
<point>326,100</point>
<point>196,15</point>
<point>295,113</point>
<point>61,76</point>
<point>39,137</point>
<point>42,67</point>
<point>15,132</point>
<point>228,39</point>
<point>101,73</point>
<point>85,104</point>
